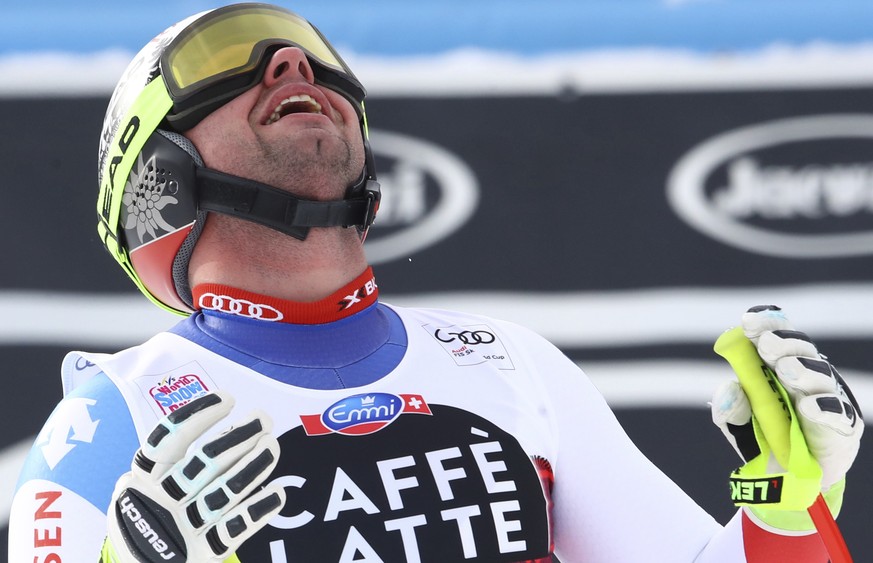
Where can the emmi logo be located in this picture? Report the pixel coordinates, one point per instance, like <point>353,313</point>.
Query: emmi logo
<point>364,410</point>
<point>363,414</point>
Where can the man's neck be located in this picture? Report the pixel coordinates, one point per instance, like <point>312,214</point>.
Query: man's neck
<point>356,296</point>
<point>257,259</point>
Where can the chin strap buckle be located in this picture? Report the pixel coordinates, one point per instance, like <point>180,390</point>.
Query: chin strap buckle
<point>372,194</point>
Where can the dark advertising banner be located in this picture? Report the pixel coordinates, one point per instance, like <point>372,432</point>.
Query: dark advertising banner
<point>621,226</point>
<point>629,191</point>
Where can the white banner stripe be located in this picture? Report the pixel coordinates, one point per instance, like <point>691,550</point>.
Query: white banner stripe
<point>684,384</point>
<point>571,319</point>
<point>664,316</point>
<point>480,72</point>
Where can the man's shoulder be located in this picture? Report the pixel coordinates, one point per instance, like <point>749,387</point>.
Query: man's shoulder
<point>440,314</point>
<point>79,367</point>
<point>435,316</point>
<point>491,336</point>
<point>86,442</point>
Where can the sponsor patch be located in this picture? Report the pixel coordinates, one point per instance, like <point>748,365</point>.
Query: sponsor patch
<point>363,414</point>
<point>470,345</point>
<point>177,388</point>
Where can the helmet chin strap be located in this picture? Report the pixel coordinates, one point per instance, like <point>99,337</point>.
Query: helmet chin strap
<point>271,207</point>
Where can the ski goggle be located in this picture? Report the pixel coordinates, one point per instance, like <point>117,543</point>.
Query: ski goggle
<point>225,52</point>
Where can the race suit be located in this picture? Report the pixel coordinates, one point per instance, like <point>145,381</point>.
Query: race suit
<point>406,435</point>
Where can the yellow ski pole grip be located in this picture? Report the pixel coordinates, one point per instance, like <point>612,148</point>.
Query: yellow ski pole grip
<point>776,420</point>
<point>756,379</point>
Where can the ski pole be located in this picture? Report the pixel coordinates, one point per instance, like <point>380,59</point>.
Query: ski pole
<point>775,416</point>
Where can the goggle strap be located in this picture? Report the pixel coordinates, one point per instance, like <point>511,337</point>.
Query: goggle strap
<point>280,210</point>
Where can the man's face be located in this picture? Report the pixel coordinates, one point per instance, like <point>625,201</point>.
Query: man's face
<point>286,131</point>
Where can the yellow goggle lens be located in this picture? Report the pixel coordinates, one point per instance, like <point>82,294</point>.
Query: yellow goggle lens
<point>223,45</point>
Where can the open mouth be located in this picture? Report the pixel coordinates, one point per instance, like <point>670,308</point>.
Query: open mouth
<point>299,103</point>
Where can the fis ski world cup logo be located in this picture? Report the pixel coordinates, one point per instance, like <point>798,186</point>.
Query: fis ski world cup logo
<point>363,414</point>
<point>174,392</point>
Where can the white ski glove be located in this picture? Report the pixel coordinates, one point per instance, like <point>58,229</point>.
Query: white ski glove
<point>827,411</point>
<point>198,506</point>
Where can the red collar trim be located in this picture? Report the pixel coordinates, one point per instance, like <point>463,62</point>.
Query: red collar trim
<point>355,296</point>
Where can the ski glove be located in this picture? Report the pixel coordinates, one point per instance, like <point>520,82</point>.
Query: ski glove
<point>826,410</point>
<point>194,506</point>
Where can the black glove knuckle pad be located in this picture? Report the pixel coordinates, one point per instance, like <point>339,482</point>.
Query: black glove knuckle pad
<point>792,334</point>
<point>830,404</point>
<point>216,500</point>
<point>820,366</point>
<point>194,516</point>
<point>250,472</point>
<point>172,488</point>
<point>236,526</point>
<point>187,411</point>
<point>143,462</point>
<point>159,433</point>
<point>761,308</point>
<point>847,391</point>
<point>264,506</point>
<point>850,412</point>
<point>215,542</point>
<point>233,438</point>
<point>193,468</point>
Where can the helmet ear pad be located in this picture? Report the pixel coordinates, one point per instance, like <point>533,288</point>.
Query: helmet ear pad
<point>161,218</point>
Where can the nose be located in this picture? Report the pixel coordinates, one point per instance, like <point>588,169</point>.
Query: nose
<point>288,62</point>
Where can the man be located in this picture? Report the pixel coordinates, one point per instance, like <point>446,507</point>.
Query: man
<point>237,184</point>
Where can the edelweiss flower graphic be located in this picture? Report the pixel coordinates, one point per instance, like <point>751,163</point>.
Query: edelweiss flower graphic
<point>144,199</point>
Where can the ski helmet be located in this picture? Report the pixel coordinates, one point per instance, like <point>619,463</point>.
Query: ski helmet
<point>155,191</point>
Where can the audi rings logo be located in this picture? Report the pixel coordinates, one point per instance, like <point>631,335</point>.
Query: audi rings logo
<point>468,337</point>
<point>470,345</point>
<point>428,193</point>
<point>240,307</point>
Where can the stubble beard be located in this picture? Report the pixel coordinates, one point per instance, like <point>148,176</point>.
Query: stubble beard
<point>318,169</point>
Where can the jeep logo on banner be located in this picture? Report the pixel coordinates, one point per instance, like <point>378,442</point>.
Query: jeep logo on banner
<point>427,194</point>
<point>796,188</point>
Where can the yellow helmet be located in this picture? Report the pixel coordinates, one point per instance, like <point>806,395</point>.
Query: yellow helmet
<point>155,191</point>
